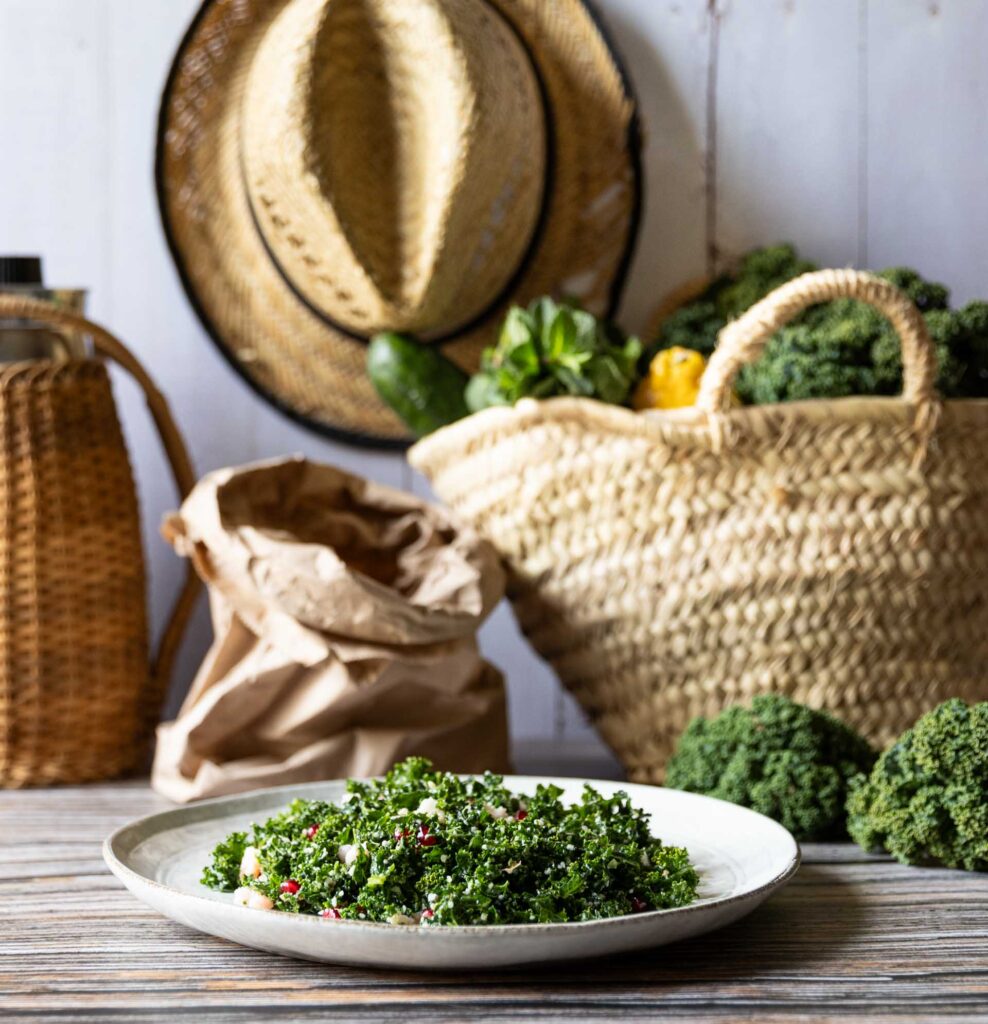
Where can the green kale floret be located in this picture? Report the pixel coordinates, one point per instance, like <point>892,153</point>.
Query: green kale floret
<point>838,348</point>
<point>777,757</point>
<point>223,872</point>
<point>845,347</point>
<point>761,271</point>
<point>798,363</point>
<point>926,800</point>
<point>927,295</point>
<point>695,325</point>
<point>961,339</point>
<point>968,340</point>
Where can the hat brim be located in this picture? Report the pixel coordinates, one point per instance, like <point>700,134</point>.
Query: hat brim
<point>307,368</point>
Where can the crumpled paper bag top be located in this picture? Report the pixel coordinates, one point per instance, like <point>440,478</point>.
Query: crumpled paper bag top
<point>339,553</point>
<point>345,615</point>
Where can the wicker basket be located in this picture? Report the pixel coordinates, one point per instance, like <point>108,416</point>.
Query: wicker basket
<point>670,563</point>
<point>78,697</point>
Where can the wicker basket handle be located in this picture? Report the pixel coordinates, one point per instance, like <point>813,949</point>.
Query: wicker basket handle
<point>105,344</point>
<point>742,340</point>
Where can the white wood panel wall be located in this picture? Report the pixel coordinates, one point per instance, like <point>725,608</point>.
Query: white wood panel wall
<point>856,128</point>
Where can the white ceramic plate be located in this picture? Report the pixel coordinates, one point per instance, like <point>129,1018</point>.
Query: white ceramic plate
<point>742,858</point>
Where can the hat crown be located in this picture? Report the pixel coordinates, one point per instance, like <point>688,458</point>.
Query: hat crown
<point>394,154</point>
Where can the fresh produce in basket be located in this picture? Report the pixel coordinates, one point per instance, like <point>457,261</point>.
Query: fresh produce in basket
<point>697,323</point>
<point>672,381</point>
<point>664,564</point>
<point>926,800</point>
<point>420,384</point>
<point>777,757</point>
<point>833,349</point>
<point>421,847</point>
<point>551,349</point>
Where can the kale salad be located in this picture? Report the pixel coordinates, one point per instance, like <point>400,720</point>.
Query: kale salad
<point>422,847</point>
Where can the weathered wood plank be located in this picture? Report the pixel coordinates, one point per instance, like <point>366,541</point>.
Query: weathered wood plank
<point>851,936</point>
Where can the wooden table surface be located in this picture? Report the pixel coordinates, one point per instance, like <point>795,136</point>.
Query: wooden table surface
<point>850,937</point>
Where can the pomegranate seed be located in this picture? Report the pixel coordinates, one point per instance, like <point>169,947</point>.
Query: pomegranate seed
<point>311,831</point>
<point>331,912</point>
<point>401,833</point>
<point>522,814</point>
<point>638,905</point>
<point>424,837</point>
<point>290,886</point>
<point>427,914</point>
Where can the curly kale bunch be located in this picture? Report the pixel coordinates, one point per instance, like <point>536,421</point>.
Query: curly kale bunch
<point>553,348</point>
<point>761,271</point>
<point>838,348</point>
<point>777,757</point>
<point>926,800</point>
<point>429,848</point>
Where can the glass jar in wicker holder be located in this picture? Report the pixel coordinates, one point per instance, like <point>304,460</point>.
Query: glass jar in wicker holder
<point>79,692</point>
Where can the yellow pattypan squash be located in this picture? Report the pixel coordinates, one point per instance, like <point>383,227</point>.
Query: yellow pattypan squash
<point>672,381</point>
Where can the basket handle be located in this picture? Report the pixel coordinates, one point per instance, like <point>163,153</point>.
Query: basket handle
<point>742,340</point>
<point>105,344</point>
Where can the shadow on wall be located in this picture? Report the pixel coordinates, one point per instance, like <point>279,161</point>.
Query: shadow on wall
<point>672,236</point>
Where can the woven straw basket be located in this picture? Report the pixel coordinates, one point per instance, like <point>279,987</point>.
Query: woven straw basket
<point>78,698</point>
<point>670,563</point>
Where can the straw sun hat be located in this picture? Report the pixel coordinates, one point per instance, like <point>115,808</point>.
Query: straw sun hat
<point>331,168</point>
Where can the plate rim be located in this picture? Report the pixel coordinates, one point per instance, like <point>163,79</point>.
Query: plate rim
<point>123,871</point>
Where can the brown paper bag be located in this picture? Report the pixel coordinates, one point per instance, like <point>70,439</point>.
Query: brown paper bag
<point>345,617</point>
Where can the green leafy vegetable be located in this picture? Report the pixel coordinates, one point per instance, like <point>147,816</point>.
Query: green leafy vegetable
<point>419,383</point>
<point>926,800</point>
<point>761,271</point>
<point>838,348</point>
<point>427,847</point>
<point>555,349</point>
<point>224,871</point>
<point>778,757</point>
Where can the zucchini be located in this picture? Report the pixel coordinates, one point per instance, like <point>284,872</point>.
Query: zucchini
<point>418,382</point>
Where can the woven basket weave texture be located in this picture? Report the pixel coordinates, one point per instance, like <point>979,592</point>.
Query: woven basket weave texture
<point>331,169</point>
<point>672,563</point>
<point>78,692</point>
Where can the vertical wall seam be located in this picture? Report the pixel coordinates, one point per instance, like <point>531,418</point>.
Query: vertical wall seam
<point>108,163</point>
<point>559,730</point>
<point>710,138</point>
<point>863,140</point>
